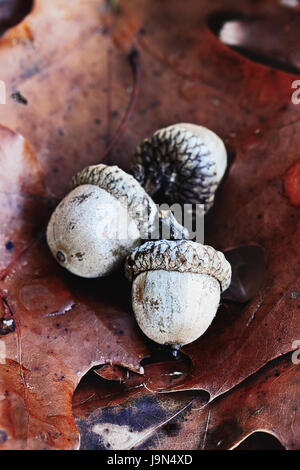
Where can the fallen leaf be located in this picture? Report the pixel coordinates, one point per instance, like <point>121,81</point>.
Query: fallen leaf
<point>72,83</point>
<point>251,407</point>
<point>61,326</point>
<point>115,416</point>
<point>185,421</point>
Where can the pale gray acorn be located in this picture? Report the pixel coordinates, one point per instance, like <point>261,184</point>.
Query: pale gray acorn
<point>176,288</point>
<point>184,163</point>
<point>106,214</point>
<point>100,221</point>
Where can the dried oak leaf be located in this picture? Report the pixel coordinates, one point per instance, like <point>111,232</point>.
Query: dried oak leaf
<point>69,62</point>
<point>62,327</point>
<point>124,416</point>
<point>186,421</point>
<point>252,206</point>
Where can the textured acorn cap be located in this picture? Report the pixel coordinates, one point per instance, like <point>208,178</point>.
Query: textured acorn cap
<point>179,255</point>
<point>186,162</point>
<point>124,187</point>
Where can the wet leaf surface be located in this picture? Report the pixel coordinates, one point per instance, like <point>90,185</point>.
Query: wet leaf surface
<point>72,87</point>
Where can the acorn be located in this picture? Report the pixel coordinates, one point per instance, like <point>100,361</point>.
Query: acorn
<point>183,163</point>
<point>176,288</point>
<point>101,220</point>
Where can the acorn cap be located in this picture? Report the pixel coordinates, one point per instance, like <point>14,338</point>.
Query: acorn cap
<point>122,186</point>
<point>179,255</point>
<point>185,161</point>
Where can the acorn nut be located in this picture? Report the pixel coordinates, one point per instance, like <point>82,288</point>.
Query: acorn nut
<point>176,288</point>
<point>100,221</point>
<point>183,162</point>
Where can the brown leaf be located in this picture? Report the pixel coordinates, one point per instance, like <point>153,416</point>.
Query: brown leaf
<point>183,421</point>
<point>267,401</point>
<point>144,420</point>
<point>62,327</point>
<point>70,87</point>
